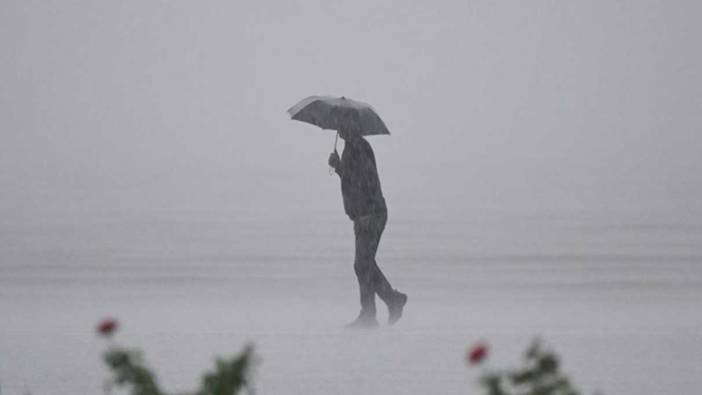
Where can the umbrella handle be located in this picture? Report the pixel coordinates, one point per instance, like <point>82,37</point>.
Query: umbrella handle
<point>336,138</point>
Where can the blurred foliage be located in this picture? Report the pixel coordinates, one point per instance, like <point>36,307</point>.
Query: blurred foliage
<point>229,377</point>
<point>539,375</point>
<point>129,371</point>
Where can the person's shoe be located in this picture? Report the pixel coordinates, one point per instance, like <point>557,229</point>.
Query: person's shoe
<point>399,300</point>
<point>363,322</point>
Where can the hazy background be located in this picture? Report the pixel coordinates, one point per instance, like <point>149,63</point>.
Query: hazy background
<point>181,104</point>
<point>542,178</point>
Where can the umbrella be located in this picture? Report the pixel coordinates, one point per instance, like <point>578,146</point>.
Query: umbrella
<point>339,113</point>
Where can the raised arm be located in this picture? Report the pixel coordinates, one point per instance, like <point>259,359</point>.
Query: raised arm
<point>335,162</point>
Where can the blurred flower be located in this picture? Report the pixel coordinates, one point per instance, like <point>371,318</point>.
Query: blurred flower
<point>106,327</point>
<point>476,354</point>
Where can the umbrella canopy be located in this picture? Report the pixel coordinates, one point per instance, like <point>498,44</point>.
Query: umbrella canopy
<point>339,113</point>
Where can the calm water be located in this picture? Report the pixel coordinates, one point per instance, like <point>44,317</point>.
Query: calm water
<point>618,294</point>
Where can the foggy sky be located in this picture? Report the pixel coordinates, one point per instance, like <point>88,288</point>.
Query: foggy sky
<point>181,104</point>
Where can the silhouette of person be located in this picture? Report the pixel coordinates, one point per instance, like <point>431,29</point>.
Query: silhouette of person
<point>365,206</point>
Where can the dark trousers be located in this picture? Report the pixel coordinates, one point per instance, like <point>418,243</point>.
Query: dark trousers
<point>371,279</point>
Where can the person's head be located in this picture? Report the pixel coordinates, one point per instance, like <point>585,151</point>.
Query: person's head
<point>351,129</point>
<point>348,134</point>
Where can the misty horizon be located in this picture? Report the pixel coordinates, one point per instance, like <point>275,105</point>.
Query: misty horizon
<point>172,105</point>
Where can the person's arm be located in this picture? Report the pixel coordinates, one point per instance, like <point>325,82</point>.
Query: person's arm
<point>335,162</point>
<point>370,182</point>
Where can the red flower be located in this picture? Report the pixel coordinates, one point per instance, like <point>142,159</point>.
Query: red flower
<point>107,326</point>
<point>476,354</point>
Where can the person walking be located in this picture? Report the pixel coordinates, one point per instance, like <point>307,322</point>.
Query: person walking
<point>365,205</point>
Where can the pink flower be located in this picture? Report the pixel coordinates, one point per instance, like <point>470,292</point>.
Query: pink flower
<point>107,327</point>
<point>476,354</point>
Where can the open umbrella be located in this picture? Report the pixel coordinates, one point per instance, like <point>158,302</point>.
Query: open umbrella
<point>339,113</point>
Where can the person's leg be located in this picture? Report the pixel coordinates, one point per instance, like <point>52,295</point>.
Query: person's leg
<point>363,266</point>
<point>380,283</point>
<point>394,299</point>
<point>371,279</point>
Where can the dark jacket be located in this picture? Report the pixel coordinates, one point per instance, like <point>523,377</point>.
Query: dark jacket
<point>360,185</point>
